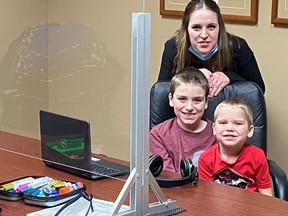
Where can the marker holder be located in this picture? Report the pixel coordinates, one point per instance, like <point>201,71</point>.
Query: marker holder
<point>41,191</point>
<point>13,195</point>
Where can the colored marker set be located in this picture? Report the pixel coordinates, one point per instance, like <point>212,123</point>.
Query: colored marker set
<point>25,184</point>
<point>56,188</point>
<point>40,190</point>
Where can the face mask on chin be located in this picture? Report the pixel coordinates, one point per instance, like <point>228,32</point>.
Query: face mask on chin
<point>203,57</point>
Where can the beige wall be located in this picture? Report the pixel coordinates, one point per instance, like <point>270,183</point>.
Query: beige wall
<point>23,67</point>
<point>87,74</point>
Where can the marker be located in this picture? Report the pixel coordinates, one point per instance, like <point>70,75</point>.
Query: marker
<point>57,183</point>
<point>7,187</point>
<point>70,188</point>
<point>49,191</point>
<point>41,195</point>
<point>22,181</point>
<point>36,183</point>
<point>15,184</point>
<point>22,187</point>
<point>65,190</point>
<point>36,193</point>
<point>77,185</point>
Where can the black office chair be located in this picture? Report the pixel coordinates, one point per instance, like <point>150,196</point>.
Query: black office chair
<point>245,90</point>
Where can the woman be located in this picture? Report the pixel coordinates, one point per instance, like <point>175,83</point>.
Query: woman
<point>202,42</point>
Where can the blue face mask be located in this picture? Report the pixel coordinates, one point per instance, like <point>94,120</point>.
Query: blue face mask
<point>203,57</point>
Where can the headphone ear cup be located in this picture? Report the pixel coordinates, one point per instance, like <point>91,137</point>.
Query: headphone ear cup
<point>186,167</point>
<point>155,165</point>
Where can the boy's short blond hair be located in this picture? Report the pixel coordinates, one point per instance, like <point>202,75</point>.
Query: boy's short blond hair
<point>236,102</point>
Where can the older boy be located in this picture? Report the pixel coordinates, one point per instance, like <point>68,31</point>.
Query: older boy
<point>186,135</point>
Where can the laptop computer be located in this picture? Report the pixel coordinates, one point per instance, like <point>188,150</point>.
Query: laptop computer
<point>66,145</point>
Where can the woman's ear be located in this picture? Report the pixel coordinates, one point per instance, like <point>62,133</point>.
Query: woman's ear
<point>170,97</point>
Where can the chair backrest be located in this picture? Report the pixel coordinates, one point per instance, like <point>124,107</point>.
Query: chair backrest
<point>245,90</point>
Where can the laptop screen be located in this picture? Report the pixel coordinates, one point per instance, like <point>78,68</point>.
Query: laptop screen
<point>65,141</point>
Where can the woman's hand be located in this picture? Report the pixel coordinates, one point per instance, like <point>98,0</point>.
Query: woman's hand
<point>219,80</point>
<point>208,75</point>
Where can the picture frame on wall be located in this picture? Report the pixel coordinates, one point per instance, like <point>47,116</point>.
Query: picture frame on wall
<point>235,11</point>
<point>279,13</point>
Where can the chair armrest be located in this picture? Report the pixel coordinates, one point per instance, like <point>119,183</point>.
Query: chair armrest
<point>279,179</point>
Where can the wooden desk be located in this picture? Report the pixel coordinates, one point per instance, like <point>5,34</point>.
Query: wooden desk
<point>207,198</point>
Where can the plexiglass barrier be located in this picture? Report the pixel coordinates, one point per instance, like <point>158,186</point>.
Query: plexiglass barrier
<point>70,58</point>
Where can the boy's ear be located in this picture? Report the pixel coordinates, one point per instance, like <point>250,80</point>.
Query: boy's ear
<point>251,131</point>
<point>170,97</point>
<point>213,126</point>
<point>206,105</point>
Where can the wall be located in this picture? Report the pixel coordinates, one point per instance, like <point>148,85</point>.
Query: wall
<point>23,65</point>
<point>89,68</point>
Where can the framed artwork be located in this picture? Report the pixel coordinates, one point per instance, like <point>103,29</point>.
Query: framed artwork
<point>279,13</point>
<point>237,11</point>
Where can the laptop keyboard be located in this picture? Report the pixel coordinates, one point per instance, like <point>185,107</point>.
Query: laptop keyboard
<point>100,170</point>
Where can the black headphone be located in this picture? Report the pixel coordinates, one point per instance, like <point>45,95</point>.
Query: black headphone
<point>188,171</point>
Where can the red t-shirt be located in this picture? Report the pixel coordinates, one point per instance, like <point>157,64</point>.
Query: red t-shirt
<point>250,171</point>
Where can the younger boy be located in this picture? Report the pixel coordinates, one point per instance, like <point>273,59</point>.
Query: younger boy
<point>233,161</point>
<point>186,135</point>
